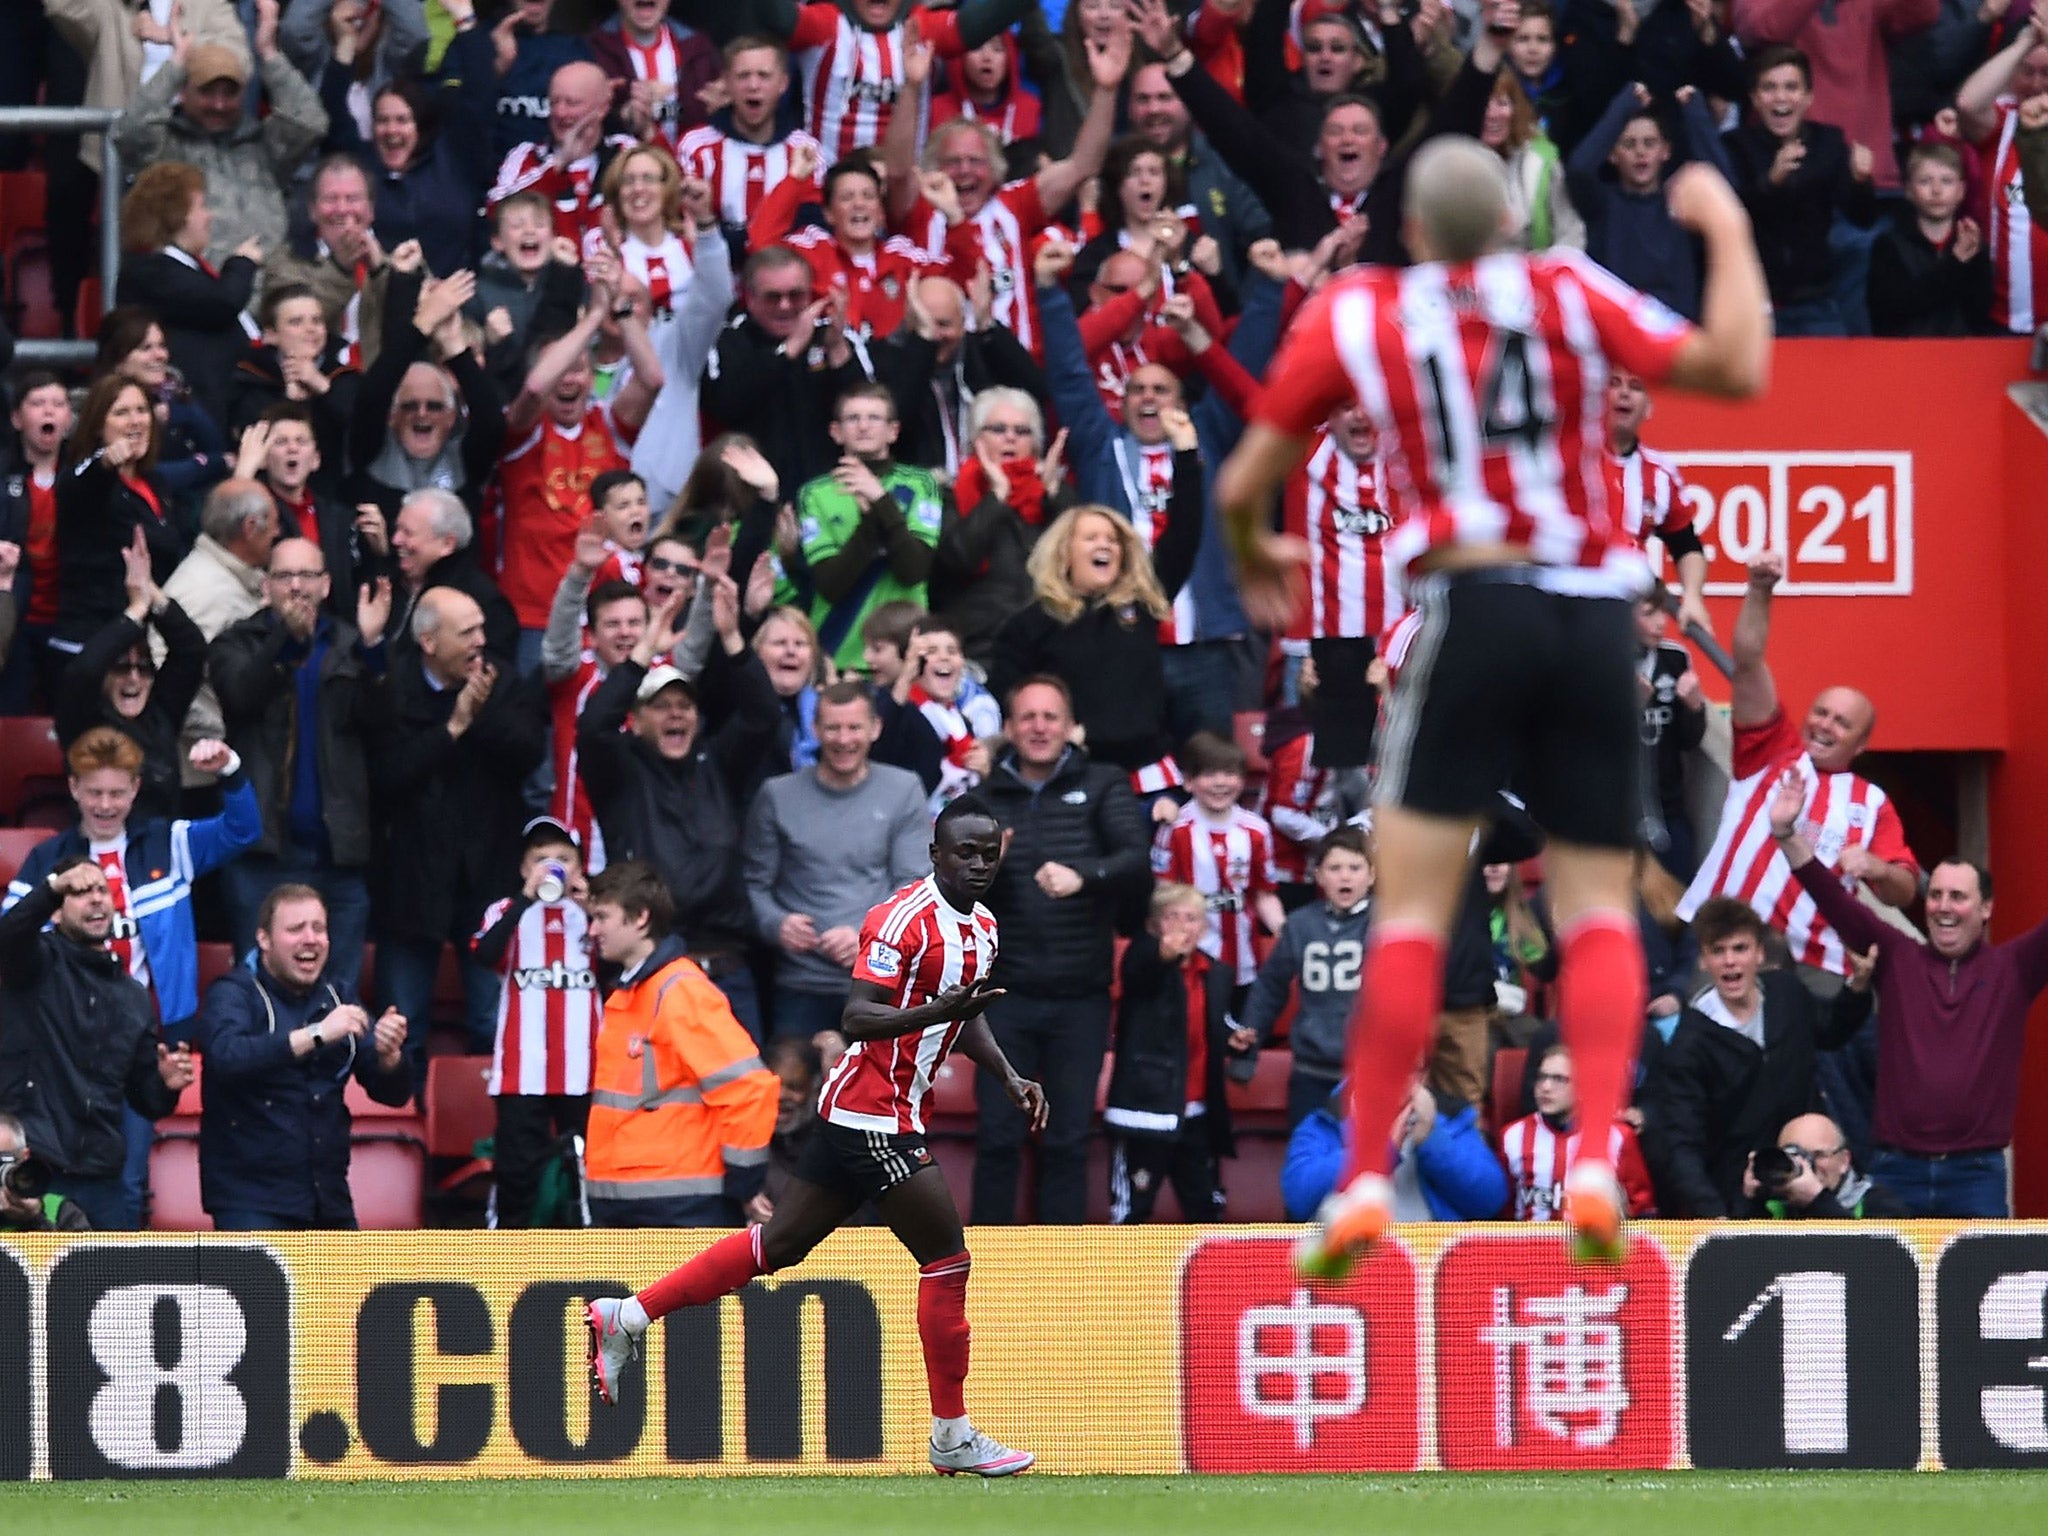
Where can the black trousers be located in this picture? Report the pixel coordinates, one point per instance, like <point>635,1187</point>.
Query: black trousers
<point>530,1128</point>
<point>1345,705</point>
<point>1058,1042</point>
<point>1140,1165</point>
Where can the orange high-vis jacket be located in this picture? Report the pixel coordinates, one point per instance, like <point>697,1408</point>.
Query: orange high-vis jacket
<point>680,1103</point>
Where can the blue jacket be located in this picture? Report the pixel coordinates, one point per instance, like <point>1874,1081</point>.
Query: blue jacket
<point>1461,1178</point>
<point>1098,445</point>
<point>164,858</point>
<point>274,1128</point>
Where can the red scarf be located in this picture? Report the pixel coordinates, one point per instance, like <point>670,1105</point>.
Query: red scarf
<point>1027,491</point>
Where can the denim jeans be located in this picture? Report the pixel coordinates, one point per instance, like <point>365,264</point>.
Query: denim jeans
<point>105,1200</point>
<point>737,983</point>
<point>800,1015</point>
<point>247,880</point>
<point>1201,687</point>
<point>1820,316</point>
<point>405,981</point>
<point>1059,1043</point>
<point>1964,1184</point>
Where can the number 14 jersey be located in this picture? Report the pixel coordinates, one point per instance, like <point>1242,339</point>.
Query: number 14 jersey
<point>1484,382</point>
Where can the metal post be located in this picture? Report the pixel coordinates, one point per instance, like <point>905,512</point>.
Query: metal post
<point>81,120</point>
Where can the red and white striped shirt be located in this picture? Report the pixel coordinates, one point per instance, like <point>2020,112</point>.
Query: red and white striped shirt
<point>1486,384</point>
<point>2019,251</point>
<point>665,269</point>
<point>661,64</point>
<point>1333,502</point>
<point>1148,491</point>
<point>852,76</point>
<point>1841,810</point>
<point>739,172</point>
<point>570,802</point>
<point>915,946</point>
<point>1644,486</point>
<point>1231,863</point>
<point>1008,228</point>
<point>549,1007</point>
<point>570,189</point>
<point>124,939</point>
<point>1295,801</point>
<point>1538,1159</point>
<point>877,285</point>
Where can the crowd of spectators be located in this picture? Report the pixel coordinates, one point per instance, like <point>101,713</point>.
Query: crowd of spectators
<point>578,486</point>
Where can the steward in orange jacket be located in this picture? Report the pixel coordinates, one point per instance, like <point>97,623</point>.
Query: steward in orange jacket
<point>681,1107</point>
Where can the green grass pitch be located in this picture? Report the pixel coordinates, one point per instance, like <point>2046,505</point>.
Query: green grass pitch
<point>1429,1504</point>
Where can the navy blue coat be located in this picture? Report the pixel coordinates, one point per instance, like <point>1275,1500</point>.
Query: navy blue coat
<point>273,1128</point>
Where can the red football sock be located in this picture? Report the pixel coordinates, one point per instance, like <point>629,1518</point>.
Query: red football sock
<point>718,1271</point>
<point>1399,997</point>
<point>942,1329</point>
<point>1603,990</point>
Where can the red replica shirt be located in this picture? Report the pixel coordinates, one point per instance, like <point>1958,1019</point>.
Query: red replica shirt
<point>1644,486</point>
<point>1007,231</point>
<point>852,77</point>
<point>1333,502</point>
<point>1230,864</point>
<point>1485,382</point>
<point>914,946</point>
<point>548,1007</point>
<point>544,483</point>
<point>739,172</point>
<point>1842,809</point>
<point>571,190</point>
<point>40,550</point>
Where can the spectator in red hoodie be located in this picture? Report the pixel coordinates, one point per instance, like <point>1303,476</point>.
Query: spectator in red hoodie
<point>985,85</point>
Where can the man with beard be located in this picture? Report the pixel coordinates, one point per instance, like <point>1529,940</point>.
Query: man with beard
<point>82,1038</point>
<point>281,1042</point>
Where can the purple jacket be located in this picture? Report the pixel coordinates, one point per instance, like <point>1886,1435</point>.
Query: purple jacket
<point>1949,1032</point>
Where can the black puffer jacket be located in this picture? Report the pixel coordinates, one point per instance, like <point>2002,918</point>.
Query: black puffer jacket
<point>683,817</point>
<point>255,666</point>
<point>1084,817</point>
<point>1148,1086</point>
<point>78,1039</point>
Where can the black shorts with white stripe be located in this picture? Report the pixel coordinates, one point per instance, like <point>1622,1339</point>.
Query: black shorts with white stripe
<point>1511,686</point>
<point>866,1164</point>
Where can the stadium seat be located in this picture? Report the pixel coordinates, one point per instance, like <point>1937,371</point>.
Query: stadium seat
<point>215,961</point>
<point>174,1204</point>
<point>32,292</point>
<point>1252,1178</point>
<point>85,315</point>
<point>460,1110</point>
<point>955,1158</point>
<point>387,1180</point>
<point>1261,1104</point>
<point>1248,726</point>
<point>952,1102</point>
<point>1504,1095</point>
<point>460,1113</point>
<point>24,201</point>
<point>31,769</point>
<point>363,1107</point>
<point>15,843</point>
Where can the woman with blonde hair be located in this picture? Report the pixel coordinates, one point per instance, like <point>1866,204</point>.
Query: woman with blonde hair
<point>1540,212</point>
<point>1094,621</point>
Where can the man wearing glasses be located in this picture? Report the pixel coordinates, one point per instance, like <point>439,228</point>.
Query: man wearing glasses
<point>298,687</point>
<point>1809,1176</point>
<point>778,369</point>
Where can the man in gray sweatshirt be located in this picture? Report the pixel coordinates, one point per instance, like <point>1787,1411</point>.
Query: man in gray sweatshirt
<point>1321,949</point>
<point>823,845</point>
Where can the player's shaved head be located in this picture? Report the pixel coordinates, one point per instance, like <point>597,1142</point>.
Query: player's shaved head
<point>1457,200</point>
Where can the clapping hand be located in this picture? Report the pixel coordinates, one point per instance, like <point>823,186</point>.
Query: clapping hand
<point>1787,804</point>
<point>388,1037</point>
<point>589,551</point>
<point>10,562</point>
<point>373,611</point>
<point>175,1067</point>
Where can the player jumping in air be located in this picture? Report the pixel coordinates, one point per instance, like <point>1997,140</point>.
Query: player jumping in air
<point>920,984</point>
<point>1483,375</point>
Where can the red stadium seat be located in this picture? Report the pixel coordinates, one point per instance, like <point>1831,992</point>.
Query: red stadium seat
<point>31,769</point>
<point>955,1158</point>
<point>15,845</point>
<point>85,315</point>
<point>215,961</point>
<point>387,1179</point>
<point>32,291</point>
<point>363,1107</point>
<point>1252,1178</point>
<point>1261,1104</point>
<point>1504,1096</point>
<point>174,1185</point>
<point>952,1103</point>
<point>460,1112</point>
<point>24,201</point>
<point>1249,727</point>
